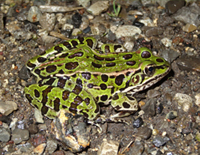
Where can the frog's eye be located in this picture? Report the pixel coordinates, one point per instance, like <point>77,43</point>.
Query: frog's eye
<point>149,71</point>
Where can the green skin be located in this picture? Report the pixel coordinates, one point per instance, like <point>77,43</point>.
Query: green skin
<point>76,77</point>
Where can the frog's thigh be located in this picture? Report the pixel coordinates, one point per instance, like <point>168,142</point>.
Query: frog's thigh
<point>126,105</point>
<point>51,99</point>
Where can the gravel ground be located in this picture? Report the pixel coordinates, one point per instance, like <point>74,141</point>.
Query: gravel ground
<point>168,121</point>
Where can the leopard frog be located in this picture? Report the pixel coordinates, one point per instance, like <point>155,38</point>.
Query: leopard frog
<point>77,77</point>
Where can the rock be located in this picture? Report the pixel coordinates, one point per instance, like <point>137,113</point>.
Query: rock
<point>174,5</point>
<point>39,149</point>
<point>197,96</point>
<point>108,148</point>
<point>153,31</point>
<point>189,28</point>
<point>34,14</point>
<point>189,63</point>
<point>51,146</point>
<point>167,42</point>
<point>98,7</point>
<point>171,115</point>
<point>72,131</point>
<point>184,100</point>
<point>84,3</point>
<point>76,20</point>
<point>127,31</point>
<point>165,20</point>
<point>7,107</point>
<point>144,133</point>
<point>159,141</point>
<point>4,135</point>
<point>138,122</point>
<point>136,148</point>
<point>47,21</point>
<point>188,15</point>
<point>38,116</point>
<point>18,135</point>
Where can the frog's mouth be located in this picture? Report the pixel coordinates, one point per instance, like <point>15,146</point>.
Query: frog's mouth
<point>132,90</point>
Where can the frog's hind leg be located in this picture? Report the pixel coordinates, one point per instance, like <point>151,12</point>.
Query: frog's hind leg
<point>50,99</point>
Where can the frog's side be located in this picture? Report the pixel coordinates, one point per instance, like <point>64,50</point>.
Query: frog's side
<point>76,77</point>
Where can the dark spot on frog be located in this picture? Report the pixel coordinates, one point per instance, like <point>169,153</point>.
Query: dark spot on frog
<point>109,59</point>
<point>117,46</point>
<point>78,54</point>
<point>64,55</point>
<point>64,107</point>
<point>61,71</point>
<point>79,82</point>
<point>67,44</point>
<point>104,97</point>
<point>86,75</point>
<point>112,90</point>
<point>37,71</point>
<point>71,65</point>
<point>37,93</point>
<point>41,59</point>
<point>104,77</point>
<point>57,104</point>
<point>127,56</point>
<point>61,83</point>
<point>51,68</point>
<point>78,100</point>
<point>107,49</point>
<point>146,54</point>
<point>98,58</point>
<point>28,96</point>
<point>90,42</point>
<point>159,60</point>
<point>31,65</point>
<point>97,110</point>
<point>115,97</point>
<point>103,86</point>
<point>126,105</point>
<point>112,64</point>
<point>74,43</point>
<point>65,94</point>
<point>90,85</point>
<point>45,93</point>
<point>130,63</point>
<point>87,100</point>
<point>85,114</point>
<point>74,76</point>
<point>81,39</point>
<point>119,79</point>
<point>58,48</point>
<point>77,89</point>
<point>96,65</point>
<point>44,110</point>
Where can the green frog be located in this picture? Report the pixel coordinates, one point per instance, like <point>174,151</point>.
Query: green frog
<point>76,77</point>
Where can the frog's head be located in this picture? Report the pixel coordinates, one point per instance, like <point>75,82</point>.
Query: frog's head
<point>150,70</point>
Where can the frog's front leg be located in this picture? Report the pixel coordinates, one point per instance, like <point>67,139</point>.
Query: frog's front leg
<point>123,103</point>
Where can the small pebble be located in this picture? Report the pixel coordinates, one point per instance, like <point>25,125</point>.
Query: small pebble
<point>138,122</point>
<point>34,14</point>
<point>108,147</point>
<point>98,7</point>
<point>4,135</point>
